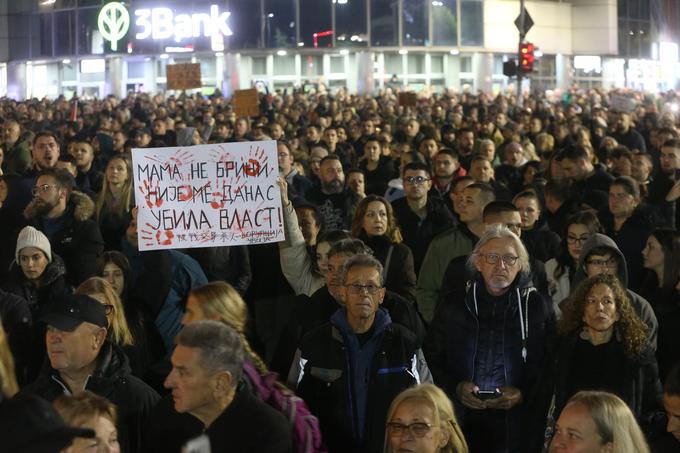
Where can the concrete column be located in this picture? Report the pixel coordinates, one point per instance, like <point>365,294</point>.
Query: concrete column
<point>364,62</point>
<point>150,74</point>
<point>16,80</point>
<point>563,73</point>
<point>231,75</point>
<point>482,68</point>
<point>114,77</point>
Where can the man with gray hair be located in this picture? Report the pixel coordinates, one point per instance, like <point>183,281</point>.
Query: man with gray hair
<point>207,366</point>
<point>349,370</point>
<point>486,343</point>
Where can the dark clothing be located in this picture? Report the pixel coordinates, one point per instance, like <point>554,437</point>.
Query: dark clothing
<point>376,180</point>
<point>417,232</point>
<point>16,321</point>
<point>658,189</point>
<point>90,182</point>
<point>350,387</point>
<point>469,343</point>
<point>593,189</point>
<point>557,221</point>
<point>113,226</point>
<point>247,425</point>
<point>541,242</point>
<point>578,365</point>
<point>399,273</point>
<point>76,238</point>
<point>298,186</point>
<point>337,210</point>
<point>229,264</point>
<point>631,239</point>
<point>112,380</point>
<point>632,139</point>
<point>310,313</point>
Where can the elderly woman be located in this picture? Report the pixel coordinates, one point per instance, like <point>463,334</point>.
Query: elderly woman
<point>421,420</point>
<point>597,422</point>
<point>602,345</point>
<point>486,343</point>
<point>374,223</point>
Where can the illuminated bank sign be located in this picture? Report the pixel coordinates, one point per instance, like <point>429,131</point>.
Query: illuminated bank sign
<point>161,23</point>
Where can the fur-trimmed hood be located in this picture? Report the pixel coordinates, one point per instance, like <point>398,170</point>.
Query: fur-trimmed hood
<point>80,206</point>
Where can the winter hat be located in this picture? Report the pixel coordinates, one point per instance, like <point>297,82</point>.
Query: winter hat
<point>30,237</point>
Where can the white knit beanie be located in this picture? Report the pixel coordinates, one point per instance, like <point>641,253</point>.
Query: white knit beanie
<point>30,237</point>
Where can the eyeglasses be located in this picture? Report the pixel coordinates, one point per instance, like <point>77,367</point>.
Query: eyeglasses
<point>42,188</point>
<point>492,258</point>
<point>418,429</point>
<point>602,263</point>
<point>356,288</point>
<point>108,309</point>
<point>416,180</point>
<point>577,239</point>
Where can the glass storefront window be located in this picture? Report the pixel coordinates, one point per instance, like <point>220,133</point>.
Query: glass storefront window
<point>415,25</point>
<point>472,22</point>
<point>135,69</point>
<point>19,42</point>
<point>315,17</point>
<point>393,63</point>
<point>350,23</point>
<point>69,71</point>
<point>337,64</point>
<point>284,65</point>
<point>90,41</point>
<point>259,65</point>
<point>65,33</point>
<point>41,35</point>
<point>437,64</point>
<point>384,20</point>
<point>312,65</point>
<point>416,64</point>
<point>279,27</point>
<point>444,23</point>
<point>245,23</point>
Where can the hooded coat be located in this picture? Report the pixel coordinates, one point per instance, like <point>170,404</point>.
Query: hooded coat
<point>639,303</point>
<point>77,239</point>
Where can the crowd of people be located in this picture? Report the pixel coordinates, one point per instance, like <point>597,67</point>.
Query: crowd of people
<point>470,273</point>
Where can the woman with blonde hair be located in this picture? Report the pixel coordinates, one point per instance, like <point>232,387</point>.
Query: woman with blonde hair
<point>421,420</point>
<point>374,223</point>
<point>87,410</point>
<point>219,301</point>
<point>102,291</point>
<point>113,207</point>
<point>598,422</point>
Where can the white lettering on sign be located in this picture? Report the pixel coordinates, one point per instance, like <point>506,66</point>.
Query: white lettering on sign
<point>162,23</point>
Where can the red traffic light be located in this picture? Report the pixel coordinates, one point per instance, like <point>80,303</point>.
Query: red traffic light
<point>526,57</point>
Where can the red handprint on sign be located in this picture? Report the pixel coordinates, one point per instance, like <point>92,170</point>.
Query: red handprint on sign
<point>148,190</point>
<point>161,237</point>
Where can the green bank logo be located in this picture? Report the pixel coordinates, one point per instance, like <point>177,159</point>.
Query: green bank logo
<point>113,23</point>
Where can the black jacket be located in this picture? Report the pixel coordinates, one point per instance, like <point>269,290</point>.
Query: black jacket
<point>399,274</point>
<point>310,313</point>
<point>632,238</point>
<point>79,241</point>
<point>350,387</point>
<point>247,425</point>
<point>230,264</point>
<point>417,232</point>
<point>337,210</point>
<point>639,379</point>
<point>541,242</point>
<point>112,380</point>
<point>16,321</point>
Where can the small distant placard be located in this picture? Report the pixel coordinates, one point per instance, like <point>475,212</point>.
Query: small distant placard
<point>183,76</point>
<point>246,102</point>
<point>622,104</point>
<point>408,99</point>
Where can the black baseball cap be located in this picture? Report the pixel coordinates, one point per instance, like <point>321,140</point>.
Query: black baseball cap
<point>69,311</point>
<point>31,425</point>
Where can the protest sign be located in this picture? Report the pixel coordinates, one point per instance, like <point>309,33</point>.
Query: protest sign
<point>207,195</point>
<point>183,76</point>
<point>408,99</point>
<point>247,102</point>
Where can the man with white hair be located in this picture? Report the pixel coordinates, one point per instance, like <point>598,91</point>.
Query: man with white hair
<point>486,343</point>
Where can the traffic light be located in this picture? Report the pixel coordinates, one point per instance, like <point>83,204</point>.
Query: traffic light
<point>526,57</point>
